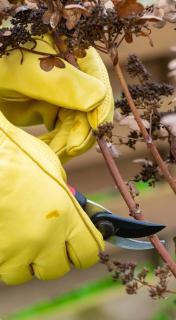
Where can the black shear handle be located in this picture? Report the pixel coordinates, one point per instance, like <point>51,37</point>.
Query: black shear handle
<point>79,197</point>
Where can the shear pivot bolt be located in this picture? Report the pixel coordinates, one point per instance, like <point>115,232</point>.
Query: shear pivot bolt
<point>106,228</point>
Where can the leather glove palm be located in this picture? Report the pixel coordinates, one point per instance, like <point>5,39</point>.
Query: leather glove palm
<point>42,227</point>
<point>69,101</point>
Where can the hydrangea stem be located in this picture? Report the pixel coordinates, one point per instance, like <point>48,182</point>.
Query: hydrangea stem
<point>147,137</point>
<point>133,207</point>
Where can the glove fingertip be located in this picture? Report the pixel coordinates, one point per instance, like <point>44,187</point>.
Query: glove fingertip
<point>83,249</point>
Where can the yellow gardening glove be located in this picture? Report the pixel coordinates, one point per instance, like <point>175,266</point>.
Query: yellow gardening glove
<point>42,227</point>
<point>70,102</point>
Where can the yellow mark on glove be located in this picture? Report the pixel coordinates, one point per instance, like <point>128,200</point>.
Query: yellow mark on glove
<point>52,214</point>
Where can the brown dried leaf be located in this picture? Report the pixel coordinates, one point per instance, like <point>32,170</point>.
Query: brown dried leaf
<point>59,4</point>
<point>55,19</point>
<point>47,64</point>
<point>128,37</point>
<point>46,17</point>
<point>59,63</point>
<point>62,43</point>
<point>126,8</point>
<point>79,53</point>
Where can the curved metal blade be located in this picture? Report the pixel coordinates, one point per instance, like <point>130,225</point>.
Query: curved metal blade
<point>131,244</point>
<point>125,227</point>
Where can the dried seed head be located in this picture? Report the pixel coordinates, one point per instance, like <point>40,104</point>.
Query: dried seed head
<point>135,68</point>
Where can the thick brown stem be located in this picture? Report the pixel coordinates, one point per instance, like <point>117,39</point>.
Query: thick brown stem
<point>133,207</point>
<point>144,132</point>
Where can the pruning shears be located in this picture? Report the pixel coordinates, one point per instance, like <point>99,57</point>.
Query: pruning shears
<point>118,230</point>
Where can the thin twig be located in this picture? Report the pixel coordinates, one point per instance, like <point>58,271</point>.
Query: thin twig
<point>35,52</point>
<point>123,137</point>
<point>149,285</point>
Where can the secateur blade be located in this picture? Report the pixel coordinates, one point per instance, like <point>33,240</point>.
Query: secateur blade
<point>126,227</point>
<point>131,244</point>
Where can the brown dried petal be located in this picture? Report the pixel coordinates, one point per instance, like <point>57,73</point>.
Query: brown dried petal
<point>55,19</point>
<point>79,53</point>
<point>46,17</point>
<point>128,37</point>
<point>62,44</point>
<point>59,63</point>
<point>59,4</point>
<point>47,64</point>
<point>127,8</point>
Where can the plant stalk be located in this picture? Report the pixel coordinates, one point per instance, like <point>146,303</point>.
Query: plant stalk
<point>133,207</point>
<point>147,137</point>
